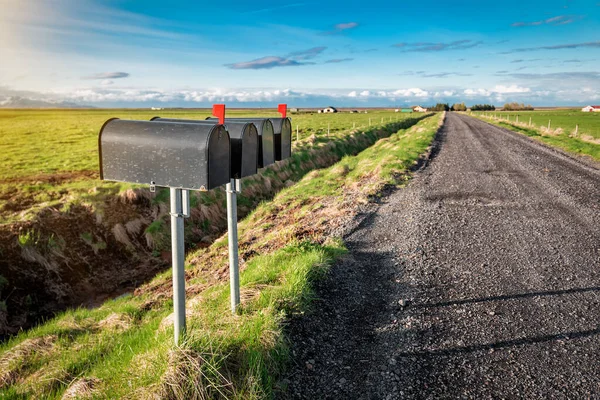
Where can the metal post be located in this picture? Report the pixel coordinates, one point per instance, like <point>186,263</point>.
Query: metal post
<point>576,129</point>
<point>178,258</point>
<point>297,134</point>
<point>369,121</point>
<point>549,124</point>
<point>185,203</point>
<point>517,120</point>
<point>234,272</point>
<point>328,129</point>
<point>529,121</point>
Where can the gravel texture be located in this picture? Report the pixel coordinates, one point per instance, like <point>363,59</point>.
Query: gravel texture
<point>481,279</point>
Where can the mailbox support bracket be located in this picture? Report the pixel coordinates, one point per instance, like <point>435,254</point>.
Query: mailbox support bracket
<point>179,209</point>
<point>232,189</point>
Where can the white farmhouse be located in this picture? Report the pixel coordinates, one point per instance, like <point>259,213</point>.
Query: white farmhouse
<point>419,109</point>
<point>329,109</point>
<point>591,109</point>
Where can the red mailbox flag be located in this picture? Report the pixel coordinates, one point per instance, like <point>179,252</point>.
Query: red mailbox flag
<point>282,109</point>
<point>219,112</point>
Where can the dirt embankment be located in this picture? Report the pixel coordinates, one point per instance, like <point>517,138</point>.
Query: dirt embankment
<point>89,252</point>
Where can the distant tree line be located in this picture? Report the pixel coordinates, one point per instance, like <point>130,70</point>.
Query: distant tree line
<point>483,107</point>
<point>439,107</point>
<point>517,107</point>
<point>459,107</point>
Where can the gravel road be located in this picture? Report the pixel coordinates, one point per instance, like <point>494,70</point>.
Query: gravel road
<point>480,279</point>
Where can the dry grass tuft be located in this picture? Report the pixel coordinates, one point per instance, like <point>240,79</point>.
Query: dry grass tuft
<point>249,293</point>
<point>69,323</point>
<point>82,388</point>
<point>267,183</point>
<point>135,225</point>
<point>117,322</point>
<point>589,139</point>
<point>120,234</point>
<point>135,196</point>
<point>17,359</point>
<point>341,170</point>
<point>47,379</point>
<point>31,254</point>
<point>192,375</point>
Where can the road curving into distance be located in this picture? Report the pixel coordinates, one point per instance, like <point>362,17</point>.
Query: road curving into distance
<point>480,279</point>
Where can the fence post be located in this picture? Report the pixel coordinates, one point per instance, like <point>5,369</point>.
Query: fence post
<point>297,134</point>
<point>529,121</point>
<point>328,129</point>
<point>576,129</point>
<point>549,125</point>
<point>369,121</point>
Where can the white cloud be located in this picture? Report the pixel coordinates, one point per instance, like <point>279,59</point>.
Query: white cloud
<point>477,92</point>
<point>511,89</point>
<point>119,96</point>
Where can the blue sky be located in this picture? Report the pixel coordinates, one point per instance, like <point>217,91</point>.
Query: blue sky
<point>346,53</point>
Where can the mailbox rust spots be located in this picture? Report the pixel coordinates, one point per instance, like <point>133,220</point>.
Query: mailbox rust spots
<point>167,154</point>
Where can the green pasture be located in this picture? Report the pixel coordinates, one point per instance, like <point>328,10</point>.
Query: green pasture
<point>34,142</point>
<point>589,123</point>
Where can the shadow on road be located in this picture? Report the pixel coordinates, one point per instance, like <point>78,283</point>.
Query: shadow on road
<point>509,297</point>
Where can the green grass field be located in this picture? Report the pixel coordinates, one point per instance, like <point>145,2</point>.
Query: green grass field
<point>36,142</point>
<point>589,123</point>
<point>562,133</point>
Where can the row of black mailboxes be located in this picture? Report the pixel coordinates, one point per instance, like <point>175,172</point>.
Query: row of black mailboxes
<point>190,154</point>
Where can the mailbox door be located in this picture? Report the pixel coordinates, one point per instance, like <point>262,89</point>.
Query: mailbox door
<point>282,137</point>
<point>248,146</point>
<point>266,145</point>
<point>219,157</point>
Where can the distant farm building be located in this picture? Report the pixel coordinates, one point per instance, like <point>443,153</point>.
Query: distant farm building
<point>327,110</point>
<point>591,109</point>
<point>419,109</point>
<point>156,108</point>
<point>407,110</point>
<point>294,110</point>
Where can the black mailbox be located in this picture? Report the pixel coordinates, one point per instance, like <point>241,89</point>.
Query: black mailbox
<point>177,155</point>
<point>266,147</point>
<point>282,131</point>
<point>244,144</point>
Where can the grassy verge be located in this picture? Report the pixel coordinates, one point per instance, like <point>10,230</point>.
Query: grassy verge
<point>124,348</point>
<point>556,138</point>
<point>86,230</point>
